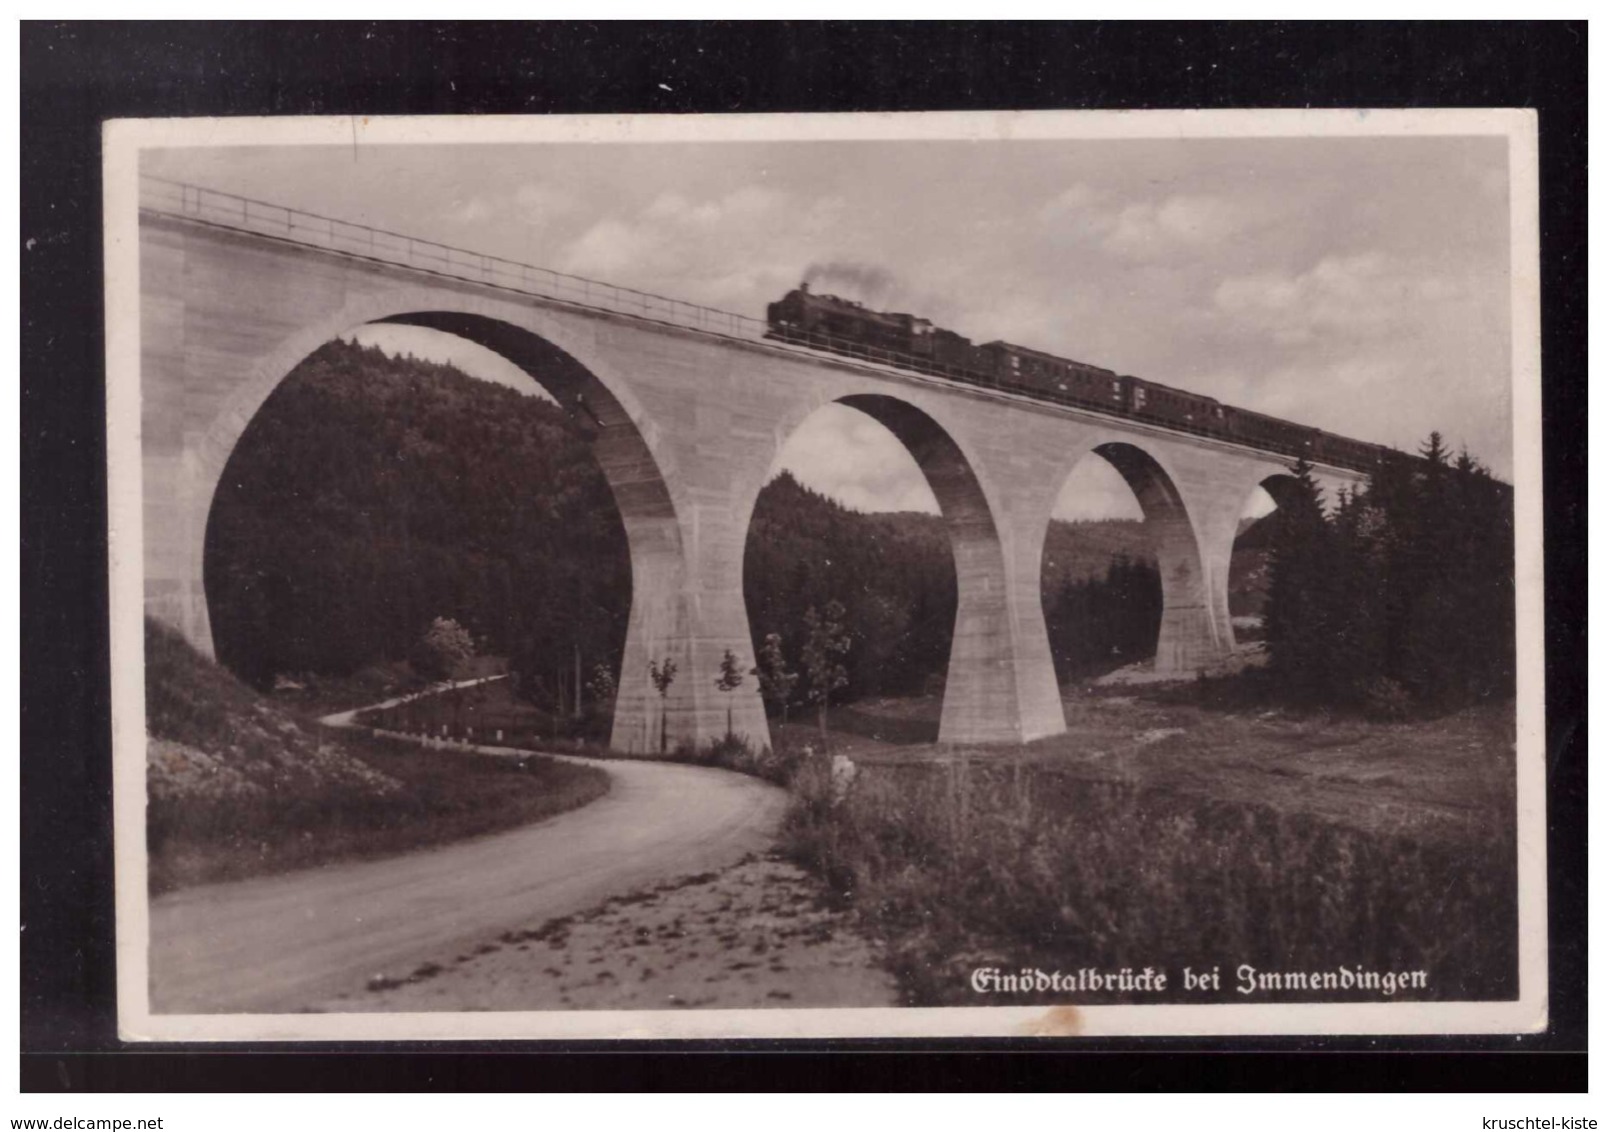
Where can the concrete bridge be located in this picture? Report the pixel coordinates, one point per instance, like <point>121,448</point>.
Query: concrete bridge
<point>691,407</point>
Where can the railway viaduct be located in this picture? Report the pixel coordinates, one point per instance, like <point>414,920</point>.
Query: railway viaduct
<point>689,407</point>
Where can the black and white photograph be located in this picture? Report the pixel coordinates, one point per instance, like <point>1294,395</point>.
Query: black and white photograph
<point>866,575</point>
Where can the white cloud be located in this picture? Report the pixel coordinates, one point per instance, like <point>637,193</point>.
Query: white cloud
<point>1359,285</point>
<point>1079,197</point>
<point>1181,224</point>
<point>740,249</point>
<point>471,211</point>
<point>530,205</point>
<point>847,456</point>
<point>1365,295</point>
<point>436,346</point>
<point>739,204</point>
<point>1096,490</point>
<point>1383,390</point>
<point>540,203</point>
<point>608,247</point>
<point>1141,229</point>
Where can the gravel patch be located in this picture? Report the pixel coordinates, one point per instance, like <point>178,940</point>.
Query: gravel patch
<point>756,934</point>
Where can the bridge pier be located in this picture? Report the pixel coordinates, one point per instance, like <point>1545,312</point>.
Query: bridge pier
<point>1191,636</point>
<point>691,619</point>
<point>1000,684</point>
<point>175,587</point>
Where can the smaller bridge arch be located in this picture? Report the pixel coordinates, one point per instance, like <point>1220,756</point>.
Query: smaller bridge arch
<point>1220,520</point>
<point>1189,638</point>
<point>1281,487</point>
<point>990,695</point>
<point>980,678</point>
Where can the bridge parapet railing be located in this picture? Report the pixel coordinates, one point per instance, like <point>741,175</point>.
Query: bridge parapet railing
<point>229,210</point>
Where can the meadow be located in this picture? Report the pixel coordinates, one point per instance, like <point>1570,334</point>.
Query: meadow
<point>1161,832</point>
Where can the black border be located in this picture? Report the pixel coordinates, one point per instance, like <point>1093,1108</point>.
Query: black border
<point>75,75</point>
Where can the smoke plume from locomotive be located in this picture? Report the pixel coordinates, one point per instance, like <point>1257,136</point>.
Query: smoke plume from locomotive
<point>863,282</point>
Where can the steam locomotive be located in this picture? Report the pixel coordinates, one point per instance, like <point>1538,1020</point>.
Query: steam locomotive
<point>842,326</point>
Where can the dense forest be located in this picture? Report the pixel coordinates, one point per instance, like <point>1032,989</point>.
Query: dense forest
<point>1400,596</point>
<point>893,574</point>
<point>372,495</point>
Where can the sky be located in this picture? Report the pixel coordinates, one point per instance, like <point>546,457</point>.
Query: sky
<point>1357,284</point>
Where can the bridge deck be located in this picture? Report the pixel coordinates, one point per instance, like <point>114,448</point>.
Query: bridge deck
<point>211,207</point>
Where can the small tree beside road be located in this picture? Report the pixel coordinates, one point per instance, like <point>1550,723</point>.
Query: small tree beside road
<point>730,679</point>
<point>775,680</point>
<point>663,676</point>
<point>826,642</point>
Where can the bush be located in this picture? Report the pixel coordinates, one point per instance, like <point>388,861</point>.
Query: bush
<point>736,753</point>
<point>1387,701</point>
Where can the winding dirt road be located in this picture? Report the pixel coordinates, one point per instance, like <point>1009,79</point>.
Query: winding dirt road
<point>283,943</point>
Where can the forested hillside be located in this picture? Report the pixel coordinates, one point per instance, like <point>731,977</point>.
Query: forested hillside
<point>373,494</point>
<point>894,574</point>
<point>1084,550</point>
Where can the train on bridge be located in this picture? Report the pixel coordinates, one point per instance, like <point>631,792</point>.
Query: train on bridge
<point>842,326</point>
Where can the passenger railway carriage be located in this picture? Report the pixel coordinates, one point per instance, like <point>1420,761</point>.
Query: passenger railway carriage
<point>827,322</point>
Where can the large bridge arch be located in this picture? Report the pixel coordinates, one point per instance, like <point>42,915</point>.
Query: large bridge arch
<point>550,351</point>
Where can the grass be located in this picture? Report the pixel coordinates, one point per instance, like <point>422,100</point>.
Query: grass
<point>440,797</point>
<point>1161,831</point>
<point>239,788</point>
<point>965,865</point>
<point>1441,778</point>
<point>313,695</point>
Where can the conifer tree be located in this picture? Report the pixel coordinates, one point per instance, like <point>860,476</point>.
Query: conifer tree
<point>1404,596</point>
<point>1299,601</point>
<point>1355,605</point>
<point>1428,665</point>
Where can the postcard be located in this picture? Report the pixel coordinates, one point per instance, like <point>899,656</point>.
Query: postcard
<point>907,575</point>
